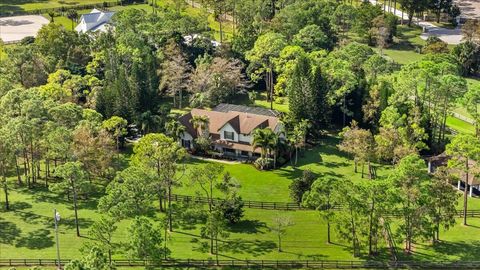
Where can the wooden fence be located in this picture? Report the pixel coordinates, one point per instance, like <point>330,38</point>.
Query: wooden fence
<point>288,205</point>
<point>274,264</point>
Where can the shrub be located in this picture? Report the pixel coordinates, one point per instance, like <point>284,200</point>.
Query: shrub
<point>435,45</point>
<point>301,185</point>
<point>232,208</point>
<point>263,163</point>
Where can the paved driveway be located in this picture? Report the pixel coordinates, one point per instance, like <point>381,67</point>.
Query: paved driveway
<point>15,28</point>
<point>450,36</point>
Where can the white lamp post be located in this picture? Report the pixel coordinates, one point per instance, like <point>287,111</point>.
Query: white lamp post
<point>56,217</point>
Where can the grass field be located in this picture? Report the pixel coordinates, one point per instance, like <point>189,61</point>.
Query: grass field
<point>460,125</point>
<point>324,160</point>
<point>406,46</point>
<point>29,5</point>
<point>213,24</point>
<point>27,230</point>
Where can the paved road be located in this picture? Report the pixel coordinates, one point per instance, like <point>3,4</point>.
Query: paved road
<point>450,36</point>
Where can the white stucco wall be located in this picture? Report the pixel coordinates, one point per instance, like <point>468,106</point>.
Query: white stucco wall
<point>228,127</point>
<point>279,129</point>
<point>186,136</point>
<point>245,138</point>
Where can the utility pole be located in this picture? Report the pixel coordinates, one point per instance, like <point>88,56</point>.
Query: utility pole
<point>56,217</point>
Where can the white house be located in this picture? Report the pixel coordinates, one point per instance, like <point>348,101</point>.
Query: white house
<point>94,21</point>
<point>230,128</point>
<point>188,39</point>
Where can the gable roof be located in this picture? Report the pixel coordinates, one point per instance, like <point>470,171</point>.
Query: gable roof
<point>224,107</point>
<point>94,21</point>
<point>241,122</point>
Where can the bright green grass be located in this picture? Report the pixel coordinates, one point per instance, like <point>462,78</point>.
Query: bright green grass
<point>27,230</point>
<point>459,243</point>
<point>403,51</point>
<point>27,233</point>
<point>460,126</point>
<point>281,107</point>
<point>29,5</point>
<point>325,160</point>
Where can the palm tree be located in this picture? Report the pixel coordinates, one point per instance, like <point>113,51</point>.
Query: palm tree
<point>200,123</point>
<point>72,14</point>
<point>299,136</point>
<point>174,129</point>
<point>149,122</point>
<point>296,140</point>
<point>276,143</point>
<point>52,15</point>
<point>265,139</point>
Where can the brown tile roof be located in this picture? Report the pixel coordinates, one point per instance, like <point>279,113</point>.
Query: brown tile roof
<point>442,160</point>
<point>242,122</point>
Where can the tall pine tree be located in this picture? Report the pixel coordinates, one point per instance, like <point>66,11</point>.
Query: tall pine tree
<point>307,92</point>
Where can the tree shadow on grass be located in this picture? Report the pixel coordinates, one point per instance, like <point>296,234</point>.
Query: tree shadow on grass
<point>19,206</point>
<point>461,249</point>
<point>248,226</point>
<point>38,239</point>
<point>42,194</point>
<point>89,204</point>
<point>301,256</point>
<point>69,223</point>
<point>31,217</point>
<point>331,174</point>
<point>289,172</point>
<point>8,232</point>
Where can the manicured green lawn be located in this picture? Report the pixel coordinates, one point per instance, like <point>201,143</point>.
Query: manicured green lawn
<point>27,230</point>
<point>27,233</point>
<point>460,126</point>
<point>325,160</point>
<point>405,48</point>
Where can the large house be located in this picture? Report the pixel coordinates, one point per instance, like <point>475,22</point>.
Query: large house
<point>94,21</point>
<point>473,180</point>
<point>230,128</point>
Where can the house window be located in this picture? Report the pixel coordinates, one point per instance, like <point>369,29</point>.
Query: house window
<point>228,135</point>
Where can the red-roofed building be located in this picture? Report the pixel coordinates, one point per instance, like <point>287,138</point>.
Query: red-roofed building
<point>230,128</point>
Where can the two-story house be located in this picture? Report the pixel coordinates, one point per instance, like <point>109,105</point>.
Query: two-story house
<point>230,128</point>
<point>94,21</point>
